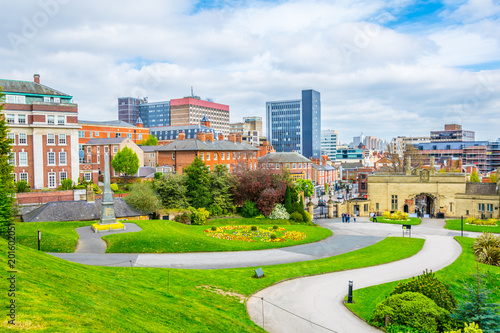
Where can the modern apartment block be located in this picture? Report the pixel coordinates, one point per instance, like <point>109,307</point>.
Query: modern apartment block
<point>452,132</point>
<point>329,143</point>
<point>295,125</point>
<point>128,109</point>
<point>139,110</point>
<point>43,124</point>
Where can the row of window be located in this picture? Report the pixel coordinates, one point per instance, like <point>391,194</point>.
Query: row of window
<point>81,134</point>
<point>22,119</point>
<point>224,156</point>
<point>51,158</point>
<point>98,149</point>
<point>287,165</point>
<point>482,206</point>
<point>17,99</point>
<point>51,178</point>
<point>22,139</point>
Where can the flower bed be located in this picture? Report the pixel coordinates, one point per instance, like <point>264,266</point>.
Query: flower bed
<point>247,233</point>
<point>488,222</point>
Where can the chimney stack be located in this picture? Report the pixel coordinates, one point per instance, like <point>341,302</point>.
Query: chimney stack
<point>181,136</point>
<point>201,136</point>
<point>220,137</point>
<point>232,137</point>
<point>209,136</point>
<point>36,78</point>
<point>432,168</point>
<point>239,138</point>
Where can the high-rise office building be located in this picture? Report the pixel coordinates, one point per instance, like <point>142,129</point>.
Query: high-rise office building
<point>128,109</point>
<point>329,142</point>
<point>155,114</point>
<point>295,125</point>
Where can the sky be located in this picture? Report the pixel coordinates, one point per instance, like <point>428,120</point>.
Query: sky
<point>383,68</point>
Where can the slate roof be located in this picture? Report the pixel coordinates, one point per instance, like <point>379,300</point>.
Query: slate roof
<point>481,188</point>
<point>197,145</point>
<point>150,149</point>
<point>105,141</point>
<point>318,167</point>
<point>353,165</point>
<point>106,123</point>
<point>146,171</point>
<point>284,158</point>
<point>180,127</point>
<point>77,211</point>
<point>29,87</point>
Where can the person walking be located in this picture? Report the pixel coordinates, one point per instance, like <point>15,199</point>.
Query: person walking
<point>354,217</point>
<point>374,217</point>
<point>348,218</point>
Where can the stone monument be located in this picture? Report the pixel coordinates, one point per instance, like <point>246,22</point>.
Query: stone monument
<point>108,219</point>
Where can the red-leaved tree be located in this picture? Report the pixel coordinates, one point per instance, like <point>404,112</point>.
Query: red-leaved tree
<point>264,187</point>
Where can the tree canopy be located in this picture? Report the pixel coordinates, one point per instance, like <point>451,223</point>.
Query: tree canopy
<point>126,161</point>
<point>474,177</point>
<point>150,141</point>
<point>197,181</point>
<point>305,185</point>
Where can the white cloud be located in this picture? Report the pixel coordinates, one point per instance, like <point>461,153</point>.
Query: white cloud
<point>372,79</point>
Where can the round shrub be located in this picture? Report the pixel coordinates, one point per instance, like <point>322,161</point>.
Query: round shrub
<point>184,218</point>
<point>254,228</point>
<point>296,217</point>
<point>114,187</point>
<point>214,228</point>
<point>273,236</point>
<point>275,227</point>
<point>487,249</point>
<point>306,216</point>
<point>279,213</point>
<point>413,310</point>
<point>249,210</point>
<point>428,285</point>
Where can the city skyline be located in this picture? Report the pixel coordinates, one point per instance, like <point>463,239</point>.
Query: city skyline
<point>383,68</point>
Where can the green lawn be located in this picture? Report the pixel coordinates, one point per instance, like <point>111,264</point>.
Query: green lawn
<point>456,225</point>
<point>411,221</point>
<point>56,236</point>
<point>171,237</point>
<point>53,295</point>
<point>454,275</point>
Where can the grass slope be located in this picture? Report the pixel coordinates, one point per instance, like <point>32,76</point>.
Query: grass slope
<point>454,275</point>
<point>456,225</point>
<point>168,236</point>
<point>56,236</point>
<point>54,295</point>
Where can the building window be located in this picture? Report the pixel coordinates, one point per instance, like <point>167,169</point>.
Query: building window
<point>23,176</point>
<point>87,176</point>
<point>89,158</point>
<point>51,158</point>
<point>139,136</point>
<point>98,149</point>
<point>12,158</point>
<point>46,99</point>
<point>57,100</point>
<point>208,156</point>
<point>173,156</point>
<point>98,159</point>
<point>62,158</point>
<point>51,139</point>
<point>117,135</point>
<point>22,138</point>
<point>52,179</point>
<point>394,202</point>
<point>12,136</point>
<point>62,139</point>
<point>363,186</point>
<point>234,155</point>
<point>21,119</point>
<point>489,207</point>
<point>23,159</point>
<point>202,156</point>
<point>63,175</point>
<point>129,135</point>
<point>50,120</point>
<point>377,206</point>
<point>115,149</point>
<point>10,118</point>
<point>61,120</point>
<point>215,156</point>
<point>294,166</point>
<point>365,207</point>
<point>89,150</point>
<point>106,149</point>
<point>451,207</point>
<point>222,155</point>
<point>81,134</point>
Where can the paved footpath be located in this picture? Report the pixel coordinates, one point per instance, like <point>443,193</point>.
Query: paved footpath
<point>319,299</point>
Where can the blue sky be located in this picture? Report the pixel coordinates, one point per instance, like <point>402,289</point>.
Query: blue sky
<point>384,68</point>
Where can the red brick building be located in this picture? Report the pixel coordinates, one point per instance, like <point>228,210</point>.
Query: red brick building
<point>232,152</point>
<point>43,125</point>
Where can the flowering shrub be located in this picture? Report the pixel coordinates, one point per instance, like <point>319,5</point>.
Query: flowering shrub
<point>472,220</point>
<point>113,226</point>
<point>114,187</point>
<point>396,216</point>
<point>279,213</point>
<point>294,235</point>
<point>246,233</point>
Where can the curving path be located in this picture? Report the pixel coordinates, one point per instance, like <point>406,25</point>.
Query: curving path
<point>320,298</point>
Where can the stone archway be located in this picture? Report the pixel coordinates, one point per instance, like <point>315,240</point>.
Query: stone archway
<point>425,205</point>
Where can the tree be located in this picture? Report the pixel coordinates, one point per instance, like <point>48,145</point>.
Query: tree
<point>220,188</point>
<point>493,178</point>
<point>305,185</point>
<point>197,179</point>
<point>288,201</point>
<point>143,198</point>
<point>477,306</point>
<point>150,141</point>
<point>172,191</point>
<point>398,159</point>
<point>126,161</point>
<point>474,177</point>
<point>7,187</point>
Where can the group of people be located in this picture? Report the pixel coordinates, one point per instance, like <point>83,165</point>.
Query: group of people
<point>346,217</point>
<point>373,217</point>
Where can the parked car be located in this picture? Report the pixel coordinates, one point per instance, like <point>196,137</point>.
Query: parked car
<point>321,202</point>
<point>340,196</point>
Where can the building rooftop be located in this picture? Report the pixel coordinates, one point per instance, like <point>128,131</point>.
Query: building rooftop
<point>107,123</point>
<point>195,144</point>
<point>77,211</point>
<point>284,158</point>
<point>105,141</point>
<point>150,149</point>
<point>179,127</point>
<point>29,87</point>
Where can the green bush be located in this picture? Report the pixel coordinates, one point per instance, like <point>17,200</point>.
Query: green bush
<point>401,329</point>
<point>414,310</point>
<point>472,328</point>
<point>253,228</point>
<point>487,249</point>
<point>199,216</point>
<point>22,186</point>
<point>66,184</point>
<point>114,187</point>
<point>184,218</point>
<point>273,236</point>
<point>428,285</point>
<point>296,217</point>
<point>306,216</point>
<point>215,210</point>
<point>249,210</point>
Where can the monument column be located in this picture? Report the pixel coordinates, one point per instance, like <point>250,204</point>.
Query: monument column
<point>108,204</point>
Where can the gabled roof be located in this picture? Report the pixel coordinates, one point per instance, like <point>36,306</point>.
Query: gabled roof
<point>77,211</point>
<point>105,141</point>
<point>29,87</point>
<point>318,167</point>
<point>149,149</point>
<point>198,145</point>
<point>205,118</point>
<point>284,158</point>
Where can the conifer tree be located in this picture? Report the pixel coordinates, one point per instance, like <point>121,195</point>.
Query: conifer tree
<point>6,179</point>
